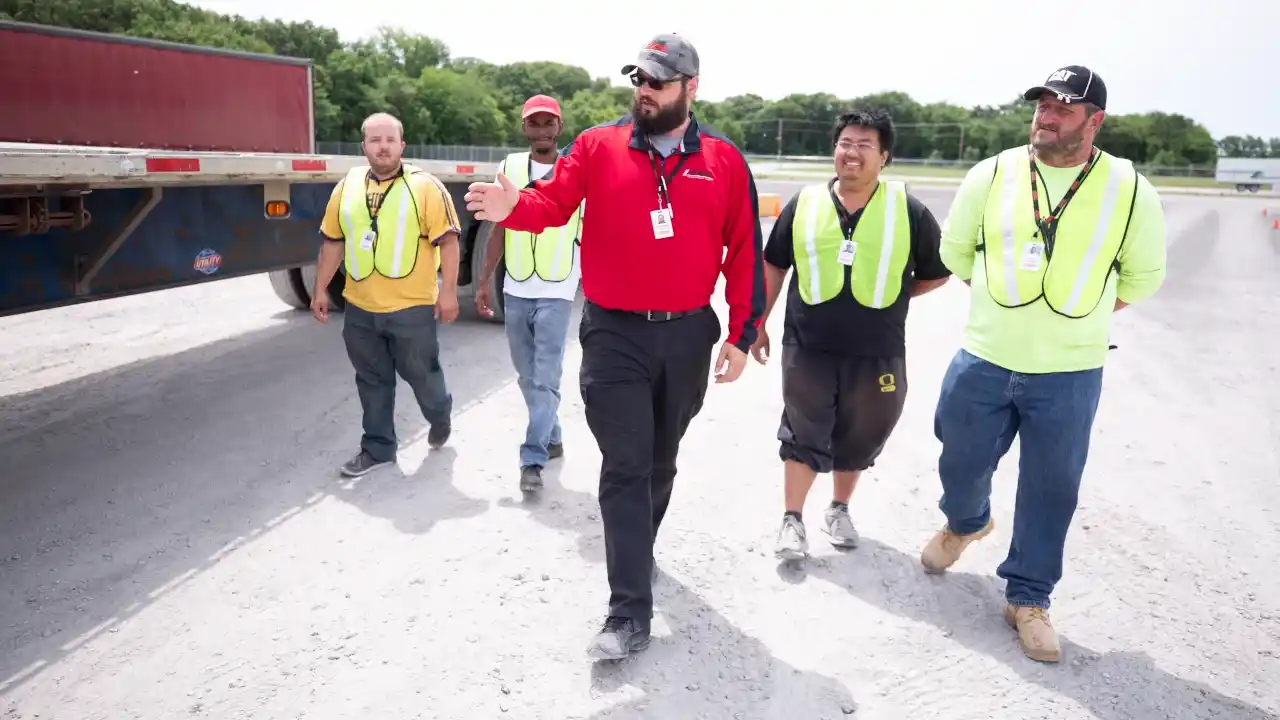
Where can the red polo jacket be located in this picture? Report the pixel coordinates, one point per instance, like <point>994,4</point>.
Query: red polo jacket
<point>714,213</point>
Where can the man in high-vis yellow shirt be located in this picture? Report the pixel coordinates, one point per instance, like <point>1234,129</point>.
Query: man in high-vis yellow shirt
<point>1052,237</point>
<point>391,227</point>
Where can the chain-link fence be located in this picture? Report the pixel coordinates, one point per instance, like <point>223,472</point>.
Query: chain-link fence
<point>491,154</point>
<point>448,153</point>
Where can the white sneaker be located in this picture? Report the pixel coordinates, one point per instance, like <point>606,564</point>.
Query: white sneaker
<point>840,527</point>
<point>793,541</point>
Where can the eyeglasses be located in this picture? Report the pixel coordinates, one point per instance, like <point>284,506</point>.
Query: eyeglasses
<point>638,79</point>
<point>859,146</point>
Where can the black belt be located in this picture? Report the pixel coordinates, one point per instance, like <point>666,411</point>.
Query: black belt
<point>663,315</point>
<point>659,315</point>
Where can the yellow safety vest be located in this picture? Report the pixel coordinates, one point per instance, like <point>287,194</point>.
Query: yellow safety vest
<point>1072,277</point>
<point>881,246</point>
<point>549,253</point>
<point>392,251</point>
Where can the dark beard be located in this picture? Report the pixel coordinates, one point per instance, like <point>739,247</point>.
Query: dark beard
<point>1066,146</point>
<point>663,121</point>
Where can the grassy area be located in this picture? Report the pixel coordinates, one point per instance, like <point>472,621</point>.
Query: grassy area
<point>803,171</point>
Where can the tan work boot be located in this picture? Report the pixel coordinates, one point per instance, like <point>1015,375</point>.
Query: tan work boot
<point>1035,632</point>
<point>945,548</point>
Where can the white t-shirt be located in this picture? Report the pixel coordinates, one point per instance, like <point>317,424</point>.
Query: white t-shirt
<point>535,287</point>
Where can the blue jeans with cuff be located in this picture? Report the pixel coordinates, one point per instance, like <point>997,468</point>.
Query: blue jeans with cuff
<point>980,409</point>
<point>537,331</point>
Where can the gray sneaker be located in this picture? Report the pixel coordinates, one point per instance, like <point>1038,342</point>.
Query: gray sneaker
<point>362,464</point>
<point>839,527</point>
<point>793,541</point>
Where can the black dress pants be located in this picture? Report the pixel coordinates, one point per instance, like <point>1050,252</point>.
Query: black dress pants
<point>642,382</point>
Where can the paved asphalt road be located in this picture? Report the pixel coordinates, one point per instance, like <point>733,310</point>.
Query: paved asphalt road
<point>174,540</point>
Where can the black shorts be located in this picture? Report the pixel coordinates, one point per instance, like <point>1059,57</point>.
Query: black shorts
<point>838,412</point>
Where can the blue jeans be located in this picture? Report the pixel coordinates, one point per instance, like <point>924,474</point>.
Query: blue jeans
<point>980,410</point>
<point>537,330</point>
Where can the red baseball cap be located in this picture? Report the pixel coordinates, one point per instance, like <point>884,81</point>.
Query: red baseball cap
<point>540,103</point>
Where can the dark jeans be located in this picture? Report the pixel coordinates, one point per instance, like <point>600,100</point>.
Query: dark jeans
<point>642,383</point>
<point>382,345</point>
<point>980,409</point>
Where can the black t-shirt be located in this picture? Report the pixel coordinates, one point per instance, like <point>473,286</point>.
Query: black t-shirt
<point>841,325</point>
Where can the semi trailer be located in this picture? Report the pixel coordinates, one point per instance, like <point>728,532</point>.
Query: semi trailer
<point>130,165</point>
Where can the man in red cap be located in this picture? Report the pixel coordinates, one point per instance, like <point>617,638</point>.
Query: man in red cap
<point>537,289</point>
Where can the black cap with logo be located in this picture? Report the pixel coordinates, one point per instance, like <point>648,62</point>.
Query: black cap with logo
<point>1073,84</point>
<point>666,57</point>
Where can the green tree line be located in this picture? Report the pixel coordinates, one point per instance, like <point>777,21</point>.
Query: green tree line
<point>466,101</point>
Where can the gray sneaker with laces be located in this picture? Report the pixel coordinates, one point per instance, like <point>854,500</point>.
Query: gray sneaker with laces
<point>793,541</point>
<point>839,527</point>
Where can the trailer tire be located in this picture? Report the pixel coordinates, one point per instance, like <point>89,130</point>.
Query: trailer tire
<point>289,287</point>
<point>499,273</point>
<point>339,282</point>
<point>296,286</point>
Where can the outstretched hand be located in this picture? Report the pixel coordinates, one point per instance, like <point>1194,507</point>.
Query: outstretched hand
<point>492,201</point>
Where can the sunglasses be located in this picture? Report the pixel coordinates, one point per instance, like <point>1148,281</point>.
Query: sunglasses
<point>638,79</point>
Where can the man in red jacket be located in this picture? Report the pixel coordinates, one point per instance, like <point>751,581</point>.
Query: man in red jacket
<point>648,273</point>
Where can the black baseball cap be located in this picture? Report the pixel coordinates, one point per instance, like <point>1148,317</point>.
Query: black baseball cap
<point>666,57</point>
<point>1073,84</point>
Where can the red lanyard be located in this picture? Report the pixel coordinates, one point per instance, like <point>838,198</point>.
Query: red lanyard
<point>1050,226</point>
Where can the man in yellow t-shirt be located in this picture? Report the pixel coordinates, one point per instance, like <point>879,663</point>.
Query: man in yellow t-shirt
<point>1053,238</point>
<point>394,298</point>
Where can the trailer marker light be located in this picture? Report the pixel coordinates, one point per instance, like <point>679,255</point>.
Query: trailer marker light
<point>277,209</point>
<point>465,169</point>
<point>310,166</point>
<point>173,165</point>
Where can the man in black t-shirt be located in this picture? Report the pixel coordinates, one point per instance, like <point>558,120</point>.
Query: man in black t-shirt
<point>860,248</point>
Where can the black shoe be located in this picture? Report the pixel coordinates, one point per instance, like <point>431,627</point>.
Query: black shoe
<point>555,450</point>
<point>362,464</point>
<point>618,638</point>
<point>438,435</point>
<point>530,478</point>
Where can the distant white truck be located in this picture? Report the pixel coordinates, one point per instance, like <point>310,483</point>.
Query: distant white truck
<point>1248,174</point>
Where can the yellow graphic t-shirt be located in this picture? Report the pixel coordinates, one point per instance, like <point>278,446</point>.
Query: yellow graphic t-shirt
<point>436,216</point>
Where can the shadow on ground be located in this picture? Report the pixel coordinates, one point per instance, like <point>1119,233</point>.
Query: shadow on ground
<point>967,609</point>
<point>708,667</point>
<point>121,486</point>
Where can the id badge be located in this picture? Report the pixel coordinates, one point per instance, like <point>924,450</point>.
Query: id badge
<point>848,249</point>
<point>366,242</point>
<point>662,223</point>
<point>1032,257</point>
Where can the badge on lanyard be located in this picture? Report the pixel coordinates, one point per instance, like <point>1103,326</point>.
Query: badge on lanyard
<point>848,249</point>
<point>662,223</point>
<point>366,242</point>
<point>1032,256</point>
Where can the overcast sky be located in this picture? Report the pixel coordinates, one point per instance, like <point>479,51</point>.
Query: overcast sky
<point>1218,62</point>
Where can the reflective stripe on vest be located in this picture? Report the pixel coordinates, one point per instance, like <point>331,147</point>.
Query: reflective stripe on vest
<point>882,242</point>
<point>395,246</point>
<point>1087,239</point>
<point>549,253</point>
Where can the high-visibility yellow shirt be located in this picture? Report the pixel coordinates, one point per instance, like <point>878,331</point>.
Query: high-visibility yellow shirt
<point>1034,338</point>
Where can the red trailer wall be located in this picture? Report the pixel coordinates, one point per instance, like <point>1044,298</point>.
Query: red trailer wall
<point>75,88</point>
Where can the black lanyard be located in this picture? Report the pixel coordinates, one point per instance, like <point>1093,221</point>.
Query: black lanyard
<point>847,221</point>
<point>1050,226</point>
<point>664,195</point>
<point>375,208</point>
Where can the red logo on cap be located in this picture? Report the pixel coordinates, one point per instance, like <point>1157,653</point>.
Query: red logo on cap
<point>656,46</point>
